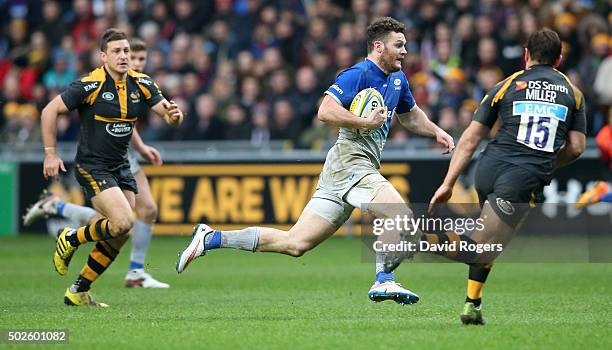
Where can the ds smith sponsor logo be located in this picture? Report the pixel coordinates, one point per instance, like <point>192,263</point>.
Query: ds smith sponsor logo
<point>119,129</point>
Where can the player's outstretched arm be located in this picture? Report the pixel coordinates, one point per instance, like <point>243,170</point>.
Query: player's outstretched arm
<point>48,124</point>
<point>150,153</point>
<point>169,111</point>
<point>332,113</point>
<point>572,149</point>
<point>461,158</point>
<point>416,121</point>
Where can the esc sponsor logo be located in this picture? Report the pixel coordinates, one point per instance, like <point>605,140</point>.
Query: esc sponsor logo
<point>119,129</point>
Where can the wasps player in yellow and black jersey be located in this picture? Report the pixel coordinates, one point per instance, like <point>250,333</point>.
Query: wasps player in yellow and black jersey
<point>109,101</point>
<point>542,126</point>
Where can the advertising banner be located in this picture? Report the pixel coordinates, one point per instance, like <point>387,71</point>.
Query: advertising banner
<point>235,195</point>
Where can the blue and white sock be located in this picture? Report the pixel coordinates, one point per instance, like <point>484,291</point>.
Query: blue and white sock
<point>141,237</point>
<point>245,239</point>
<point>76,213</point>
<point>381,275</point>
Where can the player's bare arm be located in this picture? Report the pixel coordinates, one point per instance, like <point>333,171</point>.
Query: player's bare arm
<point>149,153</point>
<point>417,122</point>
<point>332,113</point>
<point>572,149</point>
<point>466,147</point>
<point>169,111</point>
<point>53,163</point>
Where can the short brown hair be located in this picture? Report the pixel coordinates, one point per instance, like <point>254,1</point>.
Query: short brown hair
<point>137,44</point>
<point>380,28</point>
<point>544,46</point>
<point>111,34</point>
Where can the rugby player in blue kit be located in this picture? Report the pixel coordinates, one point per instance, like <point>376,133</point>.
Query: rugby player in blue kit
<point>350,176</point>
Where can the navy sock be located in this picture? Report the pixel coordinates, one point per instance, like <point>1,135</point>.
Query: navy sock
<point>476,302</point>
<point>60,208</point>
<point>81,284</point>
<point>382,277</point>
<point>136,265</point>
<point>213,241</point>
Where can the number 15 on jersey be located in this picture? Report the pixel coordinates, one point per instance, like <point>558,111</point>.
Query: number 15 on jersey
<point>538,125</point>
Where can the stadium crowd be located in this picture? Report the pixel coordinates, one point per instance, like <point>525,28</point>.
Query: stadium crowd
<point>255,70</point>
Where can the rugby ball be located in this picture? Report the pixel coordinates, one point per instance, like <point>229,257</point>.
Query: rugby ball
<point>363,104</point>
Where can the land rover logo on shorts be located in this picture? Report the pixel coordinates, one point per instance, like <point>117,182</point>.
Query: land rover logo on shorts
<point>505,206</point>
<point>397,82</point>
<point>119,129</point>
<point>108,96</point>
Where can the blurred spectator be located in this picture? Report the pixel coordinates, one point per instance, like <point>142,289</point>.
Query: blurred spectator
<point>449,123</point>
<point>237,127</point>
<point>67,129</point>
<point>61,75</point>
<point>205,123</point>
<point>279,86</point>
<point>250,92</point>
<point>511,48</point>
<point>444,59</point>
<point>453,93</point>
<point>603,81</point>
<point>260,133</point>
<point>317,135</point>
<point>304,99</point>
<point>83,31</point>
<point>565,25</point>
<point>587,68</point>
<point>221,42</point>
<point>39,52</point>
<point>52,24</point>
<point>284,126</point>
<point>21,125</point>
<point>486,79</point>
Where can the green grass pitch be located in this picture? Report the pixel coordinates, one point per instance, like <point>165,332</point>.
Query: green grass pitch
<point>232,299</point>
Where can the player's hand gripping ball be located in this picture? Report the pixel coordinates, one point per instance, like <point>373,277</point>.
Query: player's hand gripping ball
<point>363,104</point>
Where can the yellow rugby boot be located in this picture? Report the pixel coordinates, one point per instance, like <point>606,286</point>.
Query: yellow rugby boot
<point>63,252</point>
<point>81,299</point>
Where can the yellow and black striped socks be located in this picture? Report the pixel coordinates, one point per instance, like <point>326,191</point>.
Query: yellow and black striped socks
<point>102,255</point>
<point>97,231</point>
<point>476,279</point>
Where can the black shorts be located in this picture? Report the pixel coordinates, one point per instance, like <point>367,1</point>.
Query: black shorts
<point>510,189</point>
<point>95,179</point>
